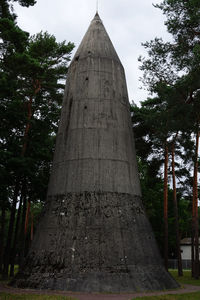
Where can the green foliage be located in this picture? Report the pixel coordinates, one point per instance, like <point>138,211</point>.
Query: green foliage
<point>26,3</point>
<point>157,68</point>
<point>171,71</point>
<point>152,195</point>
<point>183,23</point>
<point>33,70</point>
<point>42,66</point>
<point>176,63</point>
<point>13,36</point>
<point>6,7</point>
<point>153,124</point>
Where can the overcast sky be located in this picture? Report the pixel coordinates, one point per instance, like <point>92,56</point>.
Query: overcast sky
<point>128,23</point>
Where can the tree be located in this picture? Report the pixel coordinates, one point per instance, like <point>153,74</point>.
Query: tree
<point>158,132</point>
<point>150,162</point>
<point>176,64</point>
<point>32,74</point>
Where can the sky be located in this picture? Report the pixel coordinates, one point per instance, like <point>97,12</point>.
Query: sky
<point>128,23</point>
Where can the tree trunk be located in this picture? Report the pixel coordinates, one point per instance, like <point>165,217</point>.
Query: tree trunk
<point>178,250</point>
<point>166,207</point>
<point>22,230</point>
<point>195,207</point>
<point>15,240</point>
<point>31,227</point>
<point>37,87</point>
<point>2,236</point>
<point>192,242</point>
<point>27,217</point>
<point>28,124</point>
<point>10,231</point>
<point>16,193</point>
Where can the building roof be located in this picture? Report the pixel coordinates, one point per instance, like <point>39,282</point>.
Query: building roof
<point>96,42</point>
<point>187,241</point>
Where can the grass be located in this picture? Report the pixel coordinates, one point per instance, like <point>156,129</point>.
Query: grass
<point>5,296</point>
<point>6,281</point>
<point>186,278</point>
<point>16,269</point>
<point>192,296</point>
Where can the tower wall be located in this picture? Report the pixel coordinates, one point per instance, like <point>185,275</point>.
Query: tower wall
<point>95,141</point>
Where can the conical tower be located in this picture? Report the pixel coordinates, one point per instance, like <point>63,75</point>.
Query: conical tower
<point>94,235</point>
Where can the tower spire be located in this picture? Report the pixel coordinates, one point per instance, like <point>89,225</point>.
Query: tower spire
<point>94,235</point>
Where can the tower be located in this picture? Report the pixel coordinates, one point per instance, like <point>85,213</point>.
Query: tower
<point>94,235</point>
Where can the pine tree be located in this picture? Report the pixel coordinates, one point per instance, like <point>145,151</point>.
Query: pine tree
<point>31,84</point>
<point>176,64</point>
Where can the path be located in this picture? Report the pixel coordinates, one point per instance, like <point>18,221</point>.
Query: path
<point>85,296</point>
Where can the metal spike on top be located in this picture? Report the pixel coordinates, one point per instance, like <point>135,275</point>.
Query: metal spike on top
<point>97,6</point>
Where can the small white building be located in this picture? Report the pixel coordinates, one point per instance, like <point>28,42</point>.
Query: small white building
<point>186,248</point>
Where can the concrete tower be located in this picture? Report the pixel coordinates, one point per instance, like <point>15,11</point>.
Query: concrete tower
<point>94,235</point>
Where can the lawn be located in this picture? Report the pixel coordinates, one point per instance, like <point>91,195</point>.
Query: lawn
<point>186,278</point>
<point>5,296</point>
<point>192,296</point>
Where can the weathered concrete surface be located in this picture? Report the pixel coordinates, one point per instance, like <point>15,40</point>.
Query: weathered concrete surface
<point>95,242</point>
<point>95,142</point>
<point>94,235</point>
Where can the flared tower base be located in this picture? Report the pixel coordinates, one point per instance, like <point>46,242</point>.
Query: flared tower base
<point>95,242</point>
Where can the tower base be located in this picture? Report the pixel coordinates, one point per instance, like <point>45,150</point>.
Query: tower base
<point>136,280</point>
<point>94,242</point>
